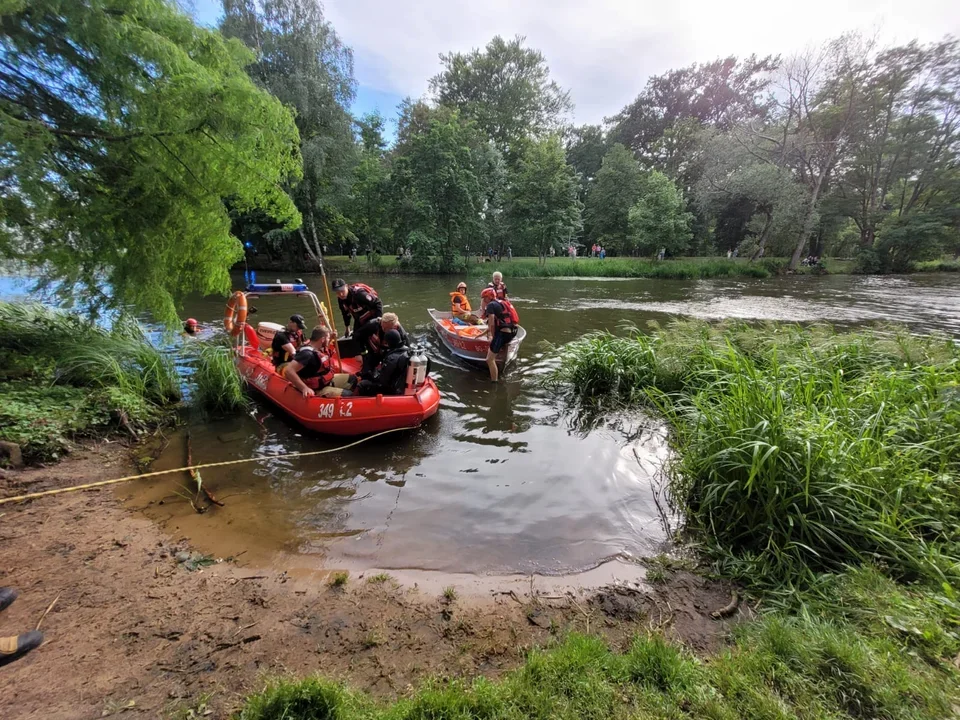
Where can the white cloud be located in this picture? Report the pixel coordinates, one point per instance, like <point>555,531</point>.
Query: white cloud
<point>604,50</point>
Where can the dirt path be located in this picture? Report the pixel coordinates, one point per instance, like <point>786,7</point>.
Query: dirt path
<point>135,633</point>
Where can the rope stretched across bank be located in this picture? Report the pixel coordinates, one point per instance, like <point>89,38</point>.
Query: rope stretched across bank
<point>101,483</point>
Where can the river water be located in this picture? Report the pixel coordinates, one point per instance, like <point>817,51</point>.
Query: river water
<point>501,480</point>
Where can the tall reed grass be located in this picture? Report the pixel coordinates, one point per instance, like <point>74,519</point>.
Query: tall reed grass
<point>67,377</point>
<point>798,451</point>
<point>219,386</point>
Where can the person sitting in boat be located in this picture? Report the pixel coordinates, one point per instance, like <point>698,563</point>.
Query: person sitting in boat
<point>359,303</point>
<point>376,346</point>
<point>502,325</point>
<point>390,378</point>
<point>460,305</point>
<point>286,342</point>
<point>498,287</point>
<point>311,361</point>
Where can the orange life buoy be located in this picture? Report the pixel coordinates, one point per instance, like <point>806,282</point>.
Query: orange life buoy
<point>236,313</point>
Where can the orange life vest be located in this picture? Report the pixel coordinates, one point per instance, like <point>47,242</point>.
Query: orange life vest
<point>509,317</point>
<point>458,298</point>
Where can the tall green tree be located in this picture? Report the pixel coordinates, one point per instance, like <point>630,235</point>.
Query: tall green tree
<point>615,190</point>
<point>301,59</point>
<point>438,188</point>
<point>586,145</point>
<point>659,219</point>
<point>543,206</point>
<point>663,124</point>
<point>505,89</point>
<point>123,126</point>
<point>759,198</point>
<point>905,141</point>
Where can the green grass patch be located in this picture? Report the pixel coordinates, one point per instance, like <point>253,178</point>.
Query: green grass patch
<point>62,378</point>
<point>938,266</point>
<point>778,667</point>
<point>338,579</point>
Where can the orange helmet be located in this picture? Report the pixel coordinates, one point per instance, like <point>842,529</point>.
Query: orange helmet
<point>488,294</point>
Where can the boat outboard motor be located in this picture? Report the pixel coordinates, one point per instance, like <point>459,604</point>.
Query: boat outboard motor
<point>416,370</point>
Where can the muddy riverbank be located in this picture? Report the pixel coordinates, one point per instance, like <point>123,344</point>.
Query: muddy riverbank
<point>135,631</point>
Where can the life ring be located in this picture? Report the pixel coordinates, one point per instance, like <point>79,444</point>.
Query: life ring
<point>236,313</point>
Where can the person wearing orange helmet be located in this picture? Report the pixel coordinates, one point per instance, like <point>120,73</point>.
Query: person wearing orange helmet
<point>460,305</point>
<point>503,322</point>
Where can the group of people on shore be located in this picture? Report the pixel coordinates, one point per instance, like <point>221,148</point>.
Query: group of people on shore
<point>307,363</point>
<point>496,310</point>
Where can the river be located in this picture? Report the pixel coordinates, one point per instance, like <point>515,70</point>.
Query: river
<point>501,480</point>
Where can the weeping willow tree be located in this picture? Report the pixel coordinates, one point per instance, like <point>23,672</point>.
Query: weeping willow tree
<point>124,128</point>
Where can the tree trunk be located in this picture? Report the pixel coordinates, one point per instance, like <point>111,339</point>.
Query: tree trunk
<point>764,234</point>
<point>808,220</point>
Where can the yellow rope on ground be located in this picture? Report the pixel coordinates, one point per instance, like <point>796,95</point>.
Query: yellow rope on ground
<point>101,483</point>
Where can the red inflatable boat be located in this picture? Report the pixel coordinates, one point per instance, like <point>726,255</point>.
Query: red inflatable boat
<point>352,415</point>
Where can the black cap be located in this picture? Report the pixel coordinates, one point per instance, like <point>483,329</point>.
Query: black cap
<point>298,319</point>
<point>392,338</point>
<point>338,283</point>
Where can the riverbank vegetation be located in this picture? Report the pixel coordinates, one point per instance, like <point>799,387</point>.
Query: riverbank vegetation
<point>798,451</point>
<point>670,269</point>
<point>63,378</point>
<point>219,387</point>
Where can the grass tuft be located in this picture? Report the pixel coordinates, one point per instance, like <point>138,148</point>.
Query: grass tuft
<point>220,387</point>
<point>339,579</point>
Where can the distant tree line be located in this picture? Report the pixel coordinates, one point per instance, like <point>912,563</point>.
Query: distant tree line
<point>141,152</point>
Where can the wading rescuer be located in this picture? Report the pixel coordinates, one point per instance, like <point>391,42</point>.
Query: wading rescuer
<point>286,342</point>
<point>311,361</point>
<point>502,324</point>
<point>460,305</point>
<point>360,303</point>
<point>497,286</point>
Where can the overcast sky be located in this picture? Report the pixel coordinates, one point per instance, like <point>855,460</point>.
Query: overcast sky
<point>603,51</point>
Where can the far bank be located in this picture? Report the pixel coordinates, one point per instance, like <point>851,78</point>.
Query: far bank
<point>530,267</point>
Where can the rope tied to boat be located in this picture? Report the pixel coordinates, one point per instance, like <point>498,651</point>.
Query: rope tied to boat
<point>191,468</point>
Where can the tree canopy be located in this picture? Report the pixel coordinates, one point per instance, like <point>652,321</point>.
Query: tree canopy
<point>301,59</point>
<point>505,88</point>
<point>123,127</point>
<point>542,202</point>
<point>615,190</point>
<point>137,147</point>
